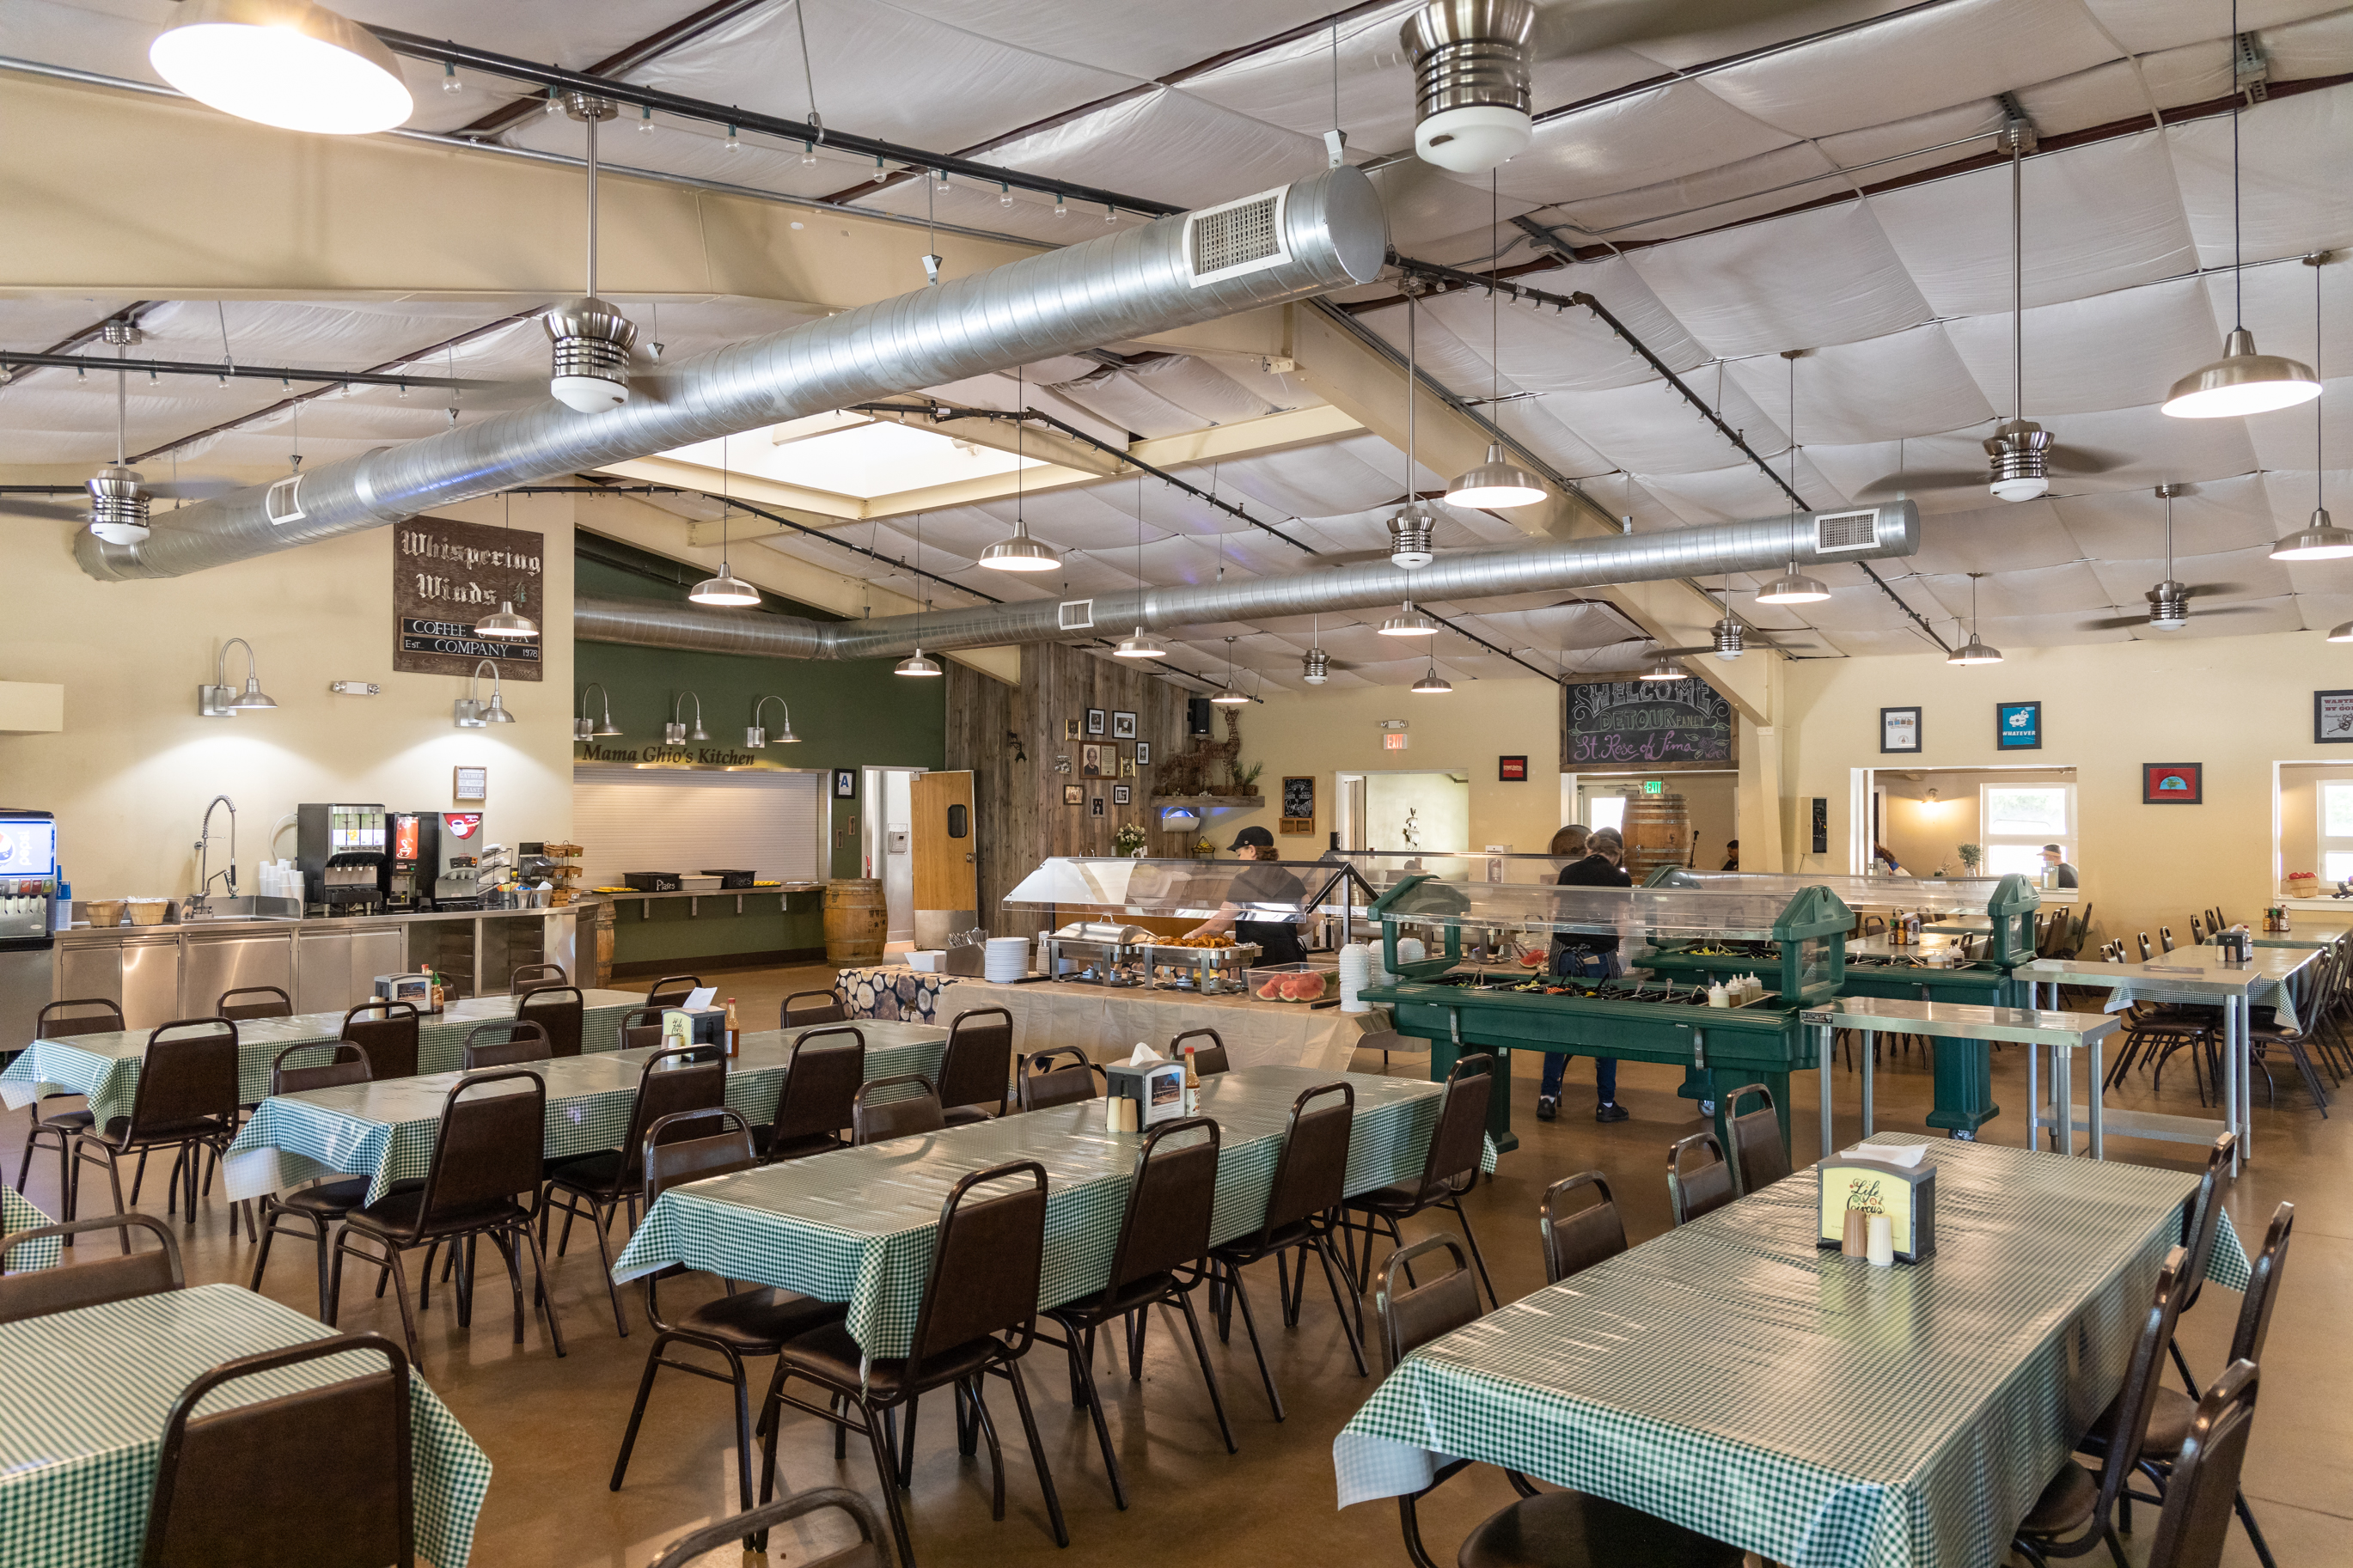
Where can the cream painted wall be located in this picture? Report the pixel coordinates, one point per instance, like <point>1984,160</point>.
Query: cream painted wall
<point>2299,813</point>
<point>1438,805</point>
<point>2235,704</point>
<point>129,775</point>
<point>1924,833</point>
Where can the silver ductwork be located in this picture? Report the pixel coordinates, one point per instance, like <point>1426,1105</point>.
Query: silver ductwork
<point>1303,239</point>
<point>1770,544</point>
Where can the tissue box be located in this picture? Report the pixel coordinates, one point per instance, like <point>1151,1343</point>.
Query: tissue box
<point>1158,1090</point>
<point>1906,1196</point>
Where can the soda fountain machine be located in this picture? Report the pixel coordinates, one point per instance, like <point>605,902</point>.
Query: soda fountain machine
<point>29,894</point>
<point>341,851</point>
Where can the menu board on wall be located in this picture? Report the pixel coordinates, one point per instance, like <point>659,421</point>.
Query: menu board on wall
<point>1653,725</point>
<point>447,576</point>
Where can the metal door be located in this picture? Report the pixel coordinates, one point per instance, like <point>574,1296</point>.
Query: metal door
<point>151,982</point>
<point>947,871</point>
<point>323,971</point>
<point>889,838</point>
<point>215,965</point>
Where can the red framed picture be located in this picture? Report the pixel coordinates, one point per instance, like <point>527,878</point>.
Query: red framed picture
<point>1511,770</point>
<point>2173,783</point>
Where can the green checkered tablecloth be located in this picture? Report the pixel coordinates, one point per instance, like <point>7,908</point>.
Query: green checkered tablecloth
<point>856,1225</point>
<point>105,1066</point>
<point>89,1391</point>
<point>1731,1377</point>
<point>17,1213</point>
<point>385,1131</point>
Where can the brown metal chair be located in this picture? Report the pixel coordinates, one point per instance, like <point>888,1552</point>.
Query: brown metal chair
<point>1163,1236</point>
<point>740,1324</point>
<point>503,1043</point>
<point>673,990</point>
<point>978,1317</point>
<point>874,1121</point>
<point>186,1101</point>
<point>1042,1083</point>
<point>822,1078</point>
<point>529,977</point>
<point>560,1010</point>
<point>1702,1189</point>
<point>487,1149</point>
<point>826,1008</point>
<point>1206,1059</point>
<point>977,1065</point>
<point>1450,1168</point>
<point>1577,1239</point>
<point>671,1083</point>
<point>56,1130</point>
<point>2075,1515</point>
<point>261,1002</point>
<point>1543,1530</point>
<point>319,1205</point>
<point>2205,1484</point>
<point>320,1476</point>
<point>389,1038</point>
<point>1302,1209</point>
<point>40,1291</point>
<point>640,1029</point>
<point>1759,1157</point>
<point>869,1551</point>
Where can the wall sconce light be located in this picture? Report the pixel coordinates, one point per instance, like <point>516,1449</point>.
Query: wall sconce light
<point>472,712</point>
<point>1932,799</point>
<point>755,739</point>
<point>581,729</point>
<point>222,700</point>
<point>675,733</point>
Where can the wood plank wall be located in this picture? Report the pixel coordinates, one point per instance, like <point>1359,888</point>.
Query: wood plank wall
<point>1019,804</point>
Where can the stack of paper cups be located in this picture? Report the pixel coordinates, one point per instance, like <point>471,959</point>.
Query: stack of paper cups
<point>1005,958</point>
<point>1356,974</point>
<point>1410,950</point>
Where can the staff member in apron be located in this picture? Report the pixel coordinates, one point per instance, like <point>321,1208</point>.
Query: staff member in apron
<point>1275,934</point>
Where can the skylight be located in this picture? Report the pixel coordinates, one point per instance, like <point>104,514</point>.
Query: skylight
<point>864,461</point>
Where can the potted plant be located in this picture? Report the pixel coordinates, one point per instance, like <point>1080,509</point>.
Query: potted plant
<point>1971,855</point>
<point>1129,840</point>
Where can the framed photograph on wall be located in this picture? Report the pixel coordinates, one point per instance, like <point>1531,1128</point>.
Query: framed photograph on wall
<point>2173,783</point>
<point>1899,730</point>
<point>844,784</point>
<point>1070,728</point>
<point>1127,767</point>
<point>1091,761</point>
<point>2017,727</point>
<point>1123,726</point>
<point>1096,805</point>
<point>1063,764</point>
<point>1072,794</point>
<point>1144,753</point>
<point>1121,794</point>
<point>2332,718</point>
<point>1298,803</point>
<point>1094,720</point>
<point>1511,770</point>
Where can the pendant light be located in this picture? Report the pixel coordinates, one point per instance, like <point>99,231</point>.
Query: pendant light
<point>1316,668</point>
<point>1413,525</point>
<point>1020,552</point>
<point>1662,669</point>
<point>2020,448</point>
<point>287,63</point>
<point>1432,684</point>
<point>1495,482</point>
<point>592,339</point>
<point>2242,381</point>
<point>726,591</point>
<point>506,625</point>
<point>1408,622</point>
<point>1231,697</point>
<point>582,728</point>
<point>1140,644</point>
<point>1976,650</point>
<point>2319,540</point>
<point>916,663</point>
<point>1792,587</point>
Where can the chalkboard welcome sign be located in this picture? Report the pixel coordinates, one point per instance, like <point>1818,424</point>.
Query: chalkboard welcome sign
<point>447,576</point>
<point>1654,725</point>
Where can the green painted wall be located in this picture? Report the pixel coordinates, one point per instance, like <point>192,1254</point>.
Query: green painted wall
<point>666,932</point>
<point>848,715</point>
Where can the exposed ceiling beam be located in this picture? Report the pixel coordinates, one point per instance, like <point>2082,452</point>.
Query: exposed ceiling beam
<point>628,58</point>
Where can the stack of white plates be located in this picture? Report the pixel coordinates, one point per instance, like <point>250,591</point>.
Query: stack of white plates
<point>1005,958</point>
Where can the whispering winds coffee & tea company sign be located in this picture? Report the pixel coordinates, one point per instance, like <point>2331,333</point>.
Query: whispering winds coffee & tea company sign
<point>446,576</point>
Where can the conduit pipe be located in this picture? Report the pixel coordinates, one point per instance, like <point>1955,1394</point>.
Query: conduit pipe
<point>1125,285</point>
<point>1767,545</point>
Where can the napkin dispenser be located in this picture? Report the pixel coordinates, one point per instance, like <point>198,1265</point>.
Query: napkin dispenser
<point>414,989</point>
<point>1156,1088</point>
<point>1907,1196</point>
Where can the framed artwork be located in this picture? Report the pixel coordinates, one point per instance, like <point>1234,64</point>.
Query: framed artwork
<point>1121,794</point>
<point>1091,761</point>
<point>1123,726</point>
<point>2332,718</point>
<point>1144,753</point>
<point>1063,764</point>
<point>1074,794</point>
<point>1127,767</point>
<point>844,784</point>
<point>1298,804</point>
<point>1094,720</point>
<point>1899,730</point>
<point>2173,783</point>
<point>1096,805</point>
<point>469,783</point>
<point>1511,770</point>
<point>1070,728</point>
<point>2017,727</point>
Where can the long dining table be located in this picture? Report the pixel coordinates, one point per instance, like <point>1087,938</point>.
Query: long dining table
<point>859,1225</point>
<point>1731,1377</point>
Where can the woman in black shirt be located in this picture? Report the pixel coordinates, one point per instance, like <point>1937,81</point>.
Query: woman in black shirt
<point>1588,957</point>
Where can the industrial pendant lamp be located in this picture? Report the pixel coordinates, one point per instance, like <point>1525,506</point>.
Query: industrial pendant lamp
<point>726,591</point>
<point>916,663</point>
<point>1662,669</point>
<point>1140,644</point>
<point>1976,650</point>
<point>2319,540</point>
<point>2242,381</point>
<point>1231,697</point>
<point>1020,552</point>
<point>592,339</point>
<point>506,626</point>
<point>583,728</point>
<point>1408,622</point>
<point>287,63</point>
<point>1495,482</point>
<point>756,738</point>
<point>1432,684</point>
<point>1793,587</point>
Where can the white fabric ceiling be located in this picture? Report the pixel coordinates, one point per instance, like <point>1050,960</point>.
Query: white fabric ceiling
<point>1899,297</point>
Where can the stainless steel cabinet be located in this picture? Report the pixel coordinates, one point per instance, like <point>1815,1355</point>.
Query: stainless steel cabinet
<point>334,970</point>
<point>150,982</point>
<point>215,963</point>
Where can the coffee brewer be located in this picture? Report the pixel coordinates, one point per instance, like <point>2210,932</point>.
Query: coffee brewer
<point>341,852</point>
<point>414,852</point>
<point>458,854</point>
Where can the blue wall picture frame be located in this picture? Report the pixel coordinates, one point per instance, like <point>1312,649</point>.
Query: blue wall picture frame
<point>2018,726</point>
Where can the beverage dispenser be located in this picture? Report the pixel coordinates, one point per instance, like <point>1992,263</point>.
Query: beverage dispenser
<point>459,836</point>
<point>412,858</point>
<point>342,850</point>
<point>28,902</point>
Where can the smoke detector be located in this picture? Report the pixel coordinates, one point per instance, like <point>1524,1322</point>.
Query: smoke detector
<point>1470,60</point>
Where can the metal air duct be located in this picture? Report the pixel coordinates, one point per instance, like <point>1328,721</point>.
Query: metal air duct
<point>1767,545</point>
<point>1318,234</point>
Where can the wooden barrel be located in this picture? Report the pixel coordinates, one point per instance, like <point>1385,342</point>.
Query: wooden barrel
<point>1658,833</point>
<point>857,920</point>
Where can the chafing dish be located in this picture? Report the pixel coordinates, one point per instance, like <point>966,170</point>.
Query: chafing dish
<point>1212,971</point>
<point>1100,953</point>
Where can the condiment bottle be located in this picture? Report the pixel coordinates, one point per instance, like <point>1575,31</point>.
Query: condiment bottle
<point>1717,996</point>
<point>735,1035</point>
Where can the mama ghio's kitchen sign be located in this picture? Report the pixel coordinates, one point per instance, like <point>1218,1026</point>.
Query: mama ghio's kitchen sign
<point>1647,724</point>
<point>721,758</point>
<point>447,576</point>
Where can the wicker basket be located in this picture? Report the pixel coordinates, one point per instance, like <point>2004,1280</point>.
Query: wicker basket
<point>147,911</point>
<point>104,913</point>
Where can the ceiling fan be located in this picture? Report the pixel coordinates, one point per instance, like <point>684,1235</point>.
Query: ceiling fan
<point>2169,601</point>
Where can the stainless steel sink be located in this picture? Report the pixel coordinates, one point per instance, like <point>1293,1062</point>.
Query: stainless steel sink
<point>243,910</point>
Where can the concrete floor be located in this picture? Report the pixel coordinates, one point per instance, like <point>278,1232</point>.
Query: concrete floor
<point>551,1427</point>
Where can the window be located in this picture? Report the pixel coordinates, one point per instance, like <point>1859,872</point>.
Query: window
<point>1608,810</point>
<point>2336,830</point>
<point>2015,821</point>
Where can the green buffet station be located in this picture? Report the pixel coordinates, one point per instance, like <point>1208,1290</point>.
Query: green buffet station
<point>1976,971</point>
<point>1429,924</point>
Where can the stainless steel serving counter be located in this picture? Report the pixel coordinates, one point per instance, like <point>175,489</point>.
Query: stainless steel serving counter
<point>179,971</point>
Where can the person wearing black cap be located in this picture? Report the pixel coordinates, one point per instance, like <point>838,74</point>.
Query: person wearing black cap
<point>1262,903</point>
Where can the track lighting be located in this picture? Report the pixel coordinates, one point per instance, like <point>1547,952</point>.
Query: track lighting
<point>287,63</point>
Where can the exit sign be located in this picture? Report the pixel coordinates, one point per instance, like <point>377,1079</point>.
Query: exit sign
<point>1394,740</point>
<point>1653,786</point>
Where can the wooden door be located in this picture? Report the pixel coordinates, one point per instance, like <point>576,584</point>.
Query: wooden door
<point>947,895</point>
